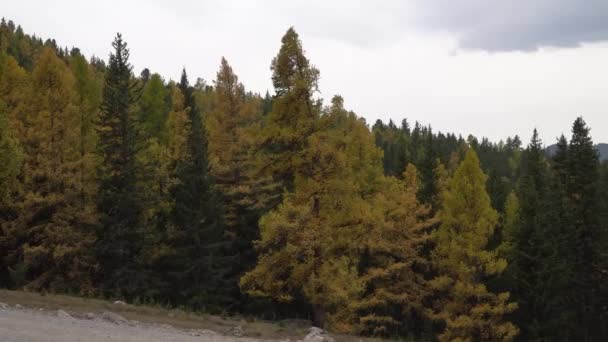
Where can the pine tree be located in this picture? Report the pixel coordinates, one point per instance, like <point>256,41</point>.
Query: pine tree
<point>119,237</point>
<point>196,237</point>
<point>588,238</point>
<point>464,304</point>
<point>535,249</point>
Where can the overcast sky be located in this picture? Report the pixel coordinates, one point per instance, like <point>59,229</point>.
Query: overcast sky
<point>492,68</point>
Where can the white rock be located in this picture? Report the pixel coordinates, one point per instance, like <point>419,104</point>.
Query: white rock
<point>3,306</point>
<point>120,302</point>
<point>317,335</point>
<point>18,306</point>
<point>63,314</point>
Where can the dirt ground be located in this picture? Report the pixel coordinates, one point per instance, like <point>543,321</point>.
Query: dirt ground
<point>32,317</point>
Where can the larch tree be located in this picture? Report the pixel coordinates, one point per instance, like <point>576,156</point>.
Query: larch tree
<point>294,112</point>
<point>392,264</point>
<point>11,157</point>
<point>87,99</point>
<point>245,196</point>
<point>468,310</point>
<point>309,244</point>
<point>53,235</point>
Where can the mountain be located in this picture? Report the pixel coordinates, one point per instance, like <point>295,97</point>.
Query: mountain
<point>602,149</point>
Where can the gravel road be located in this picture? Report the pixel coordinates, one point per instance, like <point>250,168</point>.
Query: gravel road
<point>30,325</point>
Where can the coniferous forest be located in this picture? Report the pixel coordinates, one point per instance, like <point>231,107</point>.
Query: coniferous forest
<point>206,196</point>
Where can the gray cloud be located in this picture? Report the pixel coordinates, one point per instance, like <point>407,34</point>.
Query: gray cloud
<point>507,25</point>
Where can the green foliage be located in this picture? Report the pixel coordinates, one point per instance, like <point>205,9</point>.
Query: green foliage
<point>198,259</point>
<point>119,237</point>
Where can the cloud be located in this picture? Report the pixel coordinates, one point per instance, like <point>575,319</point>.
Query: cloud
<point>524,25</point>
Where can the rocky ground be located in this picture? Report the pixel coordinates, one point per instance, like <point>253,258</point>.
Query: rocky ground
<point>21,324</point>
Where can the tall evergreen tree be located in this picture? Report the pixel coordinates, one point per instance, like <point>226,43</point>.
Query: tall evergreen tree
<point>119,237</point>
<point>589,238</point>
<point>538,264</point>
<point>196,238</point>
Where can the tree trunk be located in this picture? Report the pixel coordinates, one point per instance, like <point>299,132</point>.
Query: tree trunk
<point>318,316</point>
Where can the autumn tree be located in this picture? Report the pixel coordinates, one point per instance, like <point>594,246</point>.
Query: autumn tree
<point>468,310</point>
<point>308,245</point>
<point>232,126</point>
<point>10,157</point>
<point>392,264</point>
<point>294,112</point>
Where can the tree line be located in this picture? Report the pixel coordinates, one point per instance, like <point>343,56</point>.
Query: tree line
<point>217,199</point>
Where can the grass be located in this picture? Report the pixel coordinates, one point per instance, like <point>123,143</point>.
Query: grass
<point>292,329</point>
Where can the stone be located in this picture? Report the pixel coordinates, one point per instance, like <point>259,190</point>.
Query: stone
<point>113,318</point>
<point>317,335</point>
<point>3,306</point>
<point>63,314</point>
<point>236,331</point>
<point>120,302</point>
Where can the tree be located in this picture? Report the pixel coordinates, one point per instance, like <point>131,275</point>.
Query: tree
<point>119,237</point>
<point>11,157</point>
<point>464,304</point>
<point>588,240</point>
<point>245,196</point>
<point>392,266</point>
<point>308,245</point>
<point>51,232</point>
<point>154,108</point>
<point>534,244</point>
<point>196,237</point>
<point>294,113</point>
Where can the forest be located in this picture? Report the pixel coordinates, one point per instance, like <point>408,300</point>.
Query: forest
<point>205,196</point>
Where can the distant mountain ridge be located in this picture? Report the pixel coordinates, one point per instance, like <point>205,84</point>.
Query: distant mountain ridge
<point>601,148</point>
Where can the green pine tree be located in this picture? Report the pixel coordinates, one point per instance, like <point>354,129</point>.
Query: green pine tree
<point>119,238</point>
<point>198,260</point>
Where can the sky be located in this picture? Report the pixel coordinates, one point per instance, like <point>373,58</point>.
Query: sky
<point>489,68</point>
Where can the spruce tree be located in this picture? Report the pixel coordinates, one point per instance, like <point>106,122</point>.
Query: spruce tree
<point>119,237</point>
<point>538,264</point>
<point>588,238</point>
<point>198,260</point>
